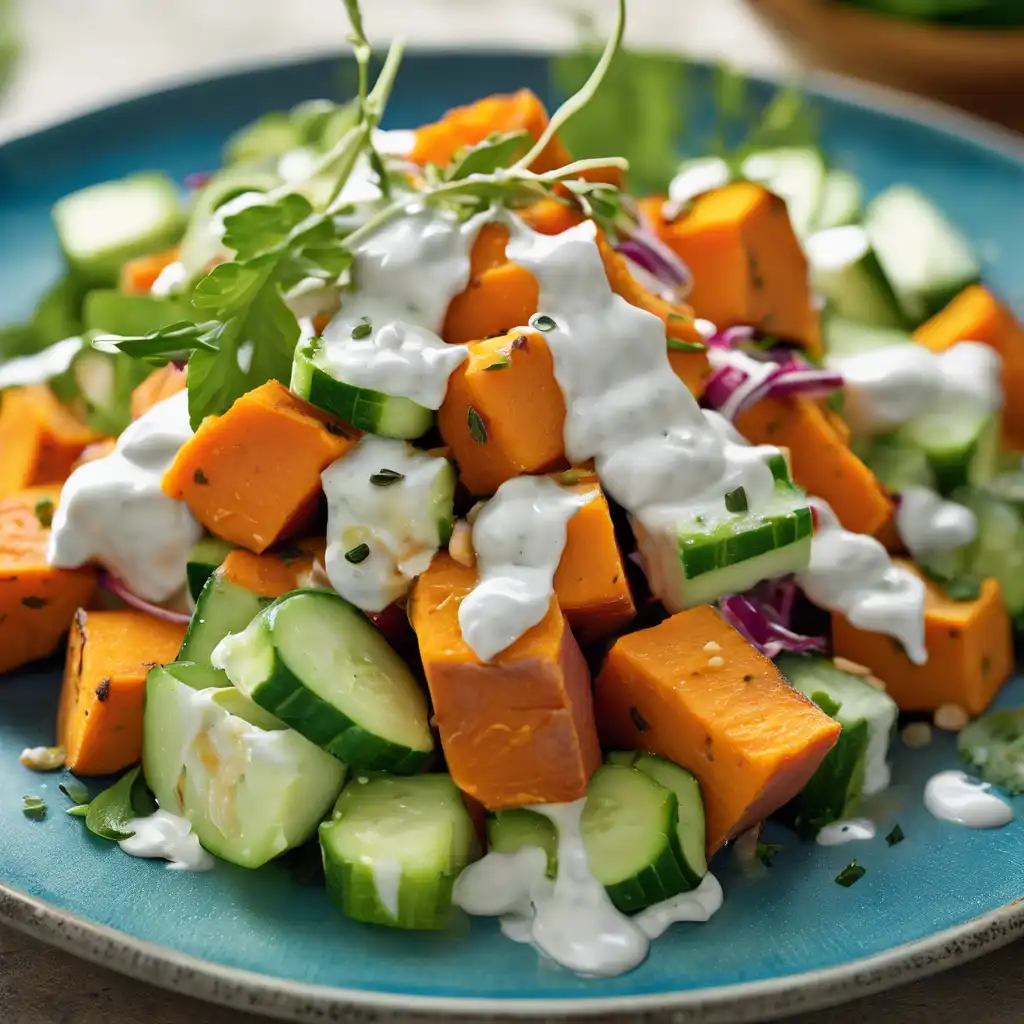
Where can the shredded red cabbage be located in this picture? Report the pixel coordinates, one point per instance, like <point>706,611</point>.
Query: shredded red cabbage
<point>763,617</point>
<point>110,582</point>
<point>652,262</point>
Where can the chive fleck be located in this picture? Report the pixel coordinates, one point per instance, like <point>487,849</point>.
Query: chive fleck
<point>542,322</point>
<point>502,364</point>
<point>34,602</point>
<point>766,853</point>
<point>75,791</point>
<point>363,329</point>
<point>964,588</point>
<point>78,811</point>
<point>200,478</point>
<point>44,512</point>
<point>736,501</point>
<point>33,807</point>
<point>477,427</point>
<point>360,553</point>
<point>386,477</point>
<point>677,345</point>
<point>850,875</point>
<point>641,723</point>
<point>896,836</point>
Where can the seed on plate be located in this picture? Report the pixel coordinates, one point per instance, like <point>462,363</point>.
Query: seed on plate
<point>950,717</point>
<point>711,646</point>
<point>42,759</point>
<point>916,735</point>
<point>854,669</point>
<point>875,682</point>
<point>716,662</point>
<point>460,547</point>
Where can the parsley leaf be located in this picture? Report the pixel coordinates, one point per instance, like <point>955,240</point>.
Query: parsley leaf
<point>850,875</point>
<point>495,152</point>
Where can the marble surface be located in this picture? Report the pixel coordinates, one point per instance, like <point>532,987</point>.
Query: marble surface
<point>79,54</point>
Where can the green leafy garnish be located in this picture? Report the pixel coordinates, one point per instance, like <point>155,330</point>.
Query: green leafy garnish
<point>497,151</point>
<point>502,364</point>
<point>686,346</point>
<point>33,807</point>
<point>766,853</point>
<point>850,875</point>
<point>896,836</point>
<point>386,477</point>
<point>78,811</point>
<point>993,746</point>
<point>477,427</point>
<point>44,512</point>
<point>363,329</point>
<point>75,791</point>
<point>964,588</point>
<point>111,812</point>
<point>736,500</point>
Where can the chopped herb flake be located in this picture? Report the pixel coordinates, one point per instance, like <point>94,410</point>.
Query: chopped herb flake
<point>200,478</point>
<point>78,811</point>
<point>964,588</point>
<point>542,322</point>
<point>386,477</point>
<point>766,853</point>
<point>33,807</point>
<point>75,791</point>
<point>736,501</point>
<point>289,553</point>
<point>363,329</point>
<point>44,512</point>
<point>477,427</point>
<point>502,364</point>
<point>850,875</point>
<point>360,553</point>
<point>641,723</point>
<point>677,345</point>
<point>34,602</point>
<point>896,836</point>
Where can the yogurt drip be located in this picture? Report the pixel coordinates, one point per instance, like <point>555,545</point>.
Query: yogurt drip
<point>928,524</point>
<point>850,831</point>
<point>952,796</point>
<point>169,837</point>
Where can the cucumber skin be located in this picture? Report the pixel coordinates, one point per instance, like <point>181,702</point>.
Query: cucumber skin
<point>196,647</point>
<point>286,697</point>
<point>363,408</point>
<point>510,830</point>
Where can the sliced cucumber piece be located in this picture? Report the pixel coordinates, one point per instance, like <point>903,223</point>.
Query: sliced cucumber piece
<point>993,745</point>
<point>846,271</point>
<point>364,408</point>
<point>101,227</point>
<point>629,828</point>
<point>512,830</point>
<point>857,765</point>
<point>222,607</point>
<point>718,552</point>
<point>319,664</point>
<point>271,136</point>
<point>841,202</point>
<point>998,548</point>
<point>897,463</point>
<point>203,560</point>
<point>109,310</point>
<point>844,337</point>
<point>102,384</point>
<point>250,787</point>
<point>394,847</point>
<point>926,259</point>
<point>198,677</point>
<point>961,447</point>
<point>795,174</point>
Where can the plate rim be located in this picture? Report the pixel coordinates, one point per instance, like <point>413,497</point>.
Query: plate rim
<point>747,1001</point>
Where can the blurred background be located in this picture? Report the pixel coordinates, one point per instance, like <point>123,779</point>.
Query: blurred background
<point>61,56</point>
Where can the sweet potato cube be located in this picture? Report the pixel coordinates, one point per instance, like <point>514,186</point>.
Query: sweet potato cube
<point>748,265</point>
<point>40,439</point>
<point>99,718</point>
<point>37,602</point>
<point>519,730</point>
<point>501,423</point>
<point>590,583</point>
<point>977,315</point>
<point>693,690</point>
<point>969,645</point>
<point>821,459</point>
<point>274,573</point>
<point>161,384</point>
<point>252,476</point>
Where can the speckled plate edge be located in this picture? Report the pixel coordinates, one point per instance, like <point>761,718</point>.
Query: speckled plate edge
<point>732,1004</point>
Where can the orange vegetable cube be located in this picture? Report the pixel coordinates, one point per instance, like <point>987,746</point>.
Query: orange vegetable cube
<point>161,384</point>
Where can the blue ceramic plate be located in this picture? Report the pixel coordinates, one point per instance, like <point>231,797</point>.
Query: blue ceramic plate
<point>788,938</point>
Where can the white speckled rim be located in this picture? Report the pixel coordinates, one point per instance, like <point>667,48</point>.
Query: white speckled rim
<point>735,1004</point>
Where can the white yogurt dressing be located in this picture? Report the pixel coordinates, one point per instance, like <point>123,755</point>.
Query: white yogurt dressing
<point>952,796</point>
<point>928,524</point>
<point>696,177</point>
<point>886,387</point>
<point>519,537</point>
<point>113,510</point>
<point>387,877</point>
<point>170,280</point>
<point>572,920</point>
<point>169,837</point>
<point>399,523</point>
<point>51,362</point>
<point>850,831</point>
<point>852,573</point>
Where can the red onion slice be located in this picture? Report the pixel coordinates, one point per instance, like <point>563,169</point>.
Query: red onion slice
<point>110,582</point>
<point>760,624</point>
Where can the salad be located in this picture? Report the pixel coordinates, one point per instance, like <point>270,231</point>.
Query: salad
<point>517,541</point>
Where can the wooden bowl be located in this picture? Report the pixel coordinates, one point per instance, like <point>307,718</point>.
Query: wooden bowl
<point>981,70</point>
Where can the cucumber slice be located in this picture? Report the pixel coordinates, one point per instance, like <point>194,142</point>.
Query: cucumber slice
<point>203,560</point>
<point>846,271</point>
<point>271,136</point>
<point>114,312</point>
<point>222,607</point>
<point>961,448</point>
<point>394,847</point>
<point>856,766</point>
<point>844,337</point>
<point>841,201</point>
<point>364,408</point>
<point>103,382</point>
<point>512,830</point>
<point>993,746</point>
<point>926,259</point>
<point>897,463</point>
<point>629,828</point>
<point>101,227</point>
<point>797,175</point>
<point>250,787</point>
<point>320,665</point>
<point>998,548</point>
<point>717,552</point>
